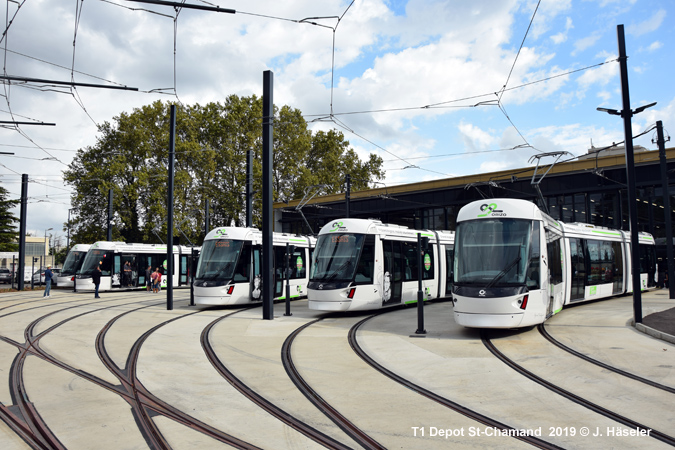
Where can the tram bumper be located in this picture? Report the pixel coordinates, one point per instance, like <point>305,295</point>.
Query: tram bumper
<point>328,300</point>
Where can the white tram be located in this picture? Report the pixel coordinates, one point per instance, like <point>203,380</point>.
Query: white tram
<point>116,274</point>
<point>364,264</point>
<point>72,265</point>
<point>515,266</point>
<point>230,266</point>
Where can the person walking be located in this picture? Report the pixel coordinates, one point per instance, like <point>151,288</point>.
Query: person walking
<point>96,278</point>
<point>148,278</point>
<point>48,282</point>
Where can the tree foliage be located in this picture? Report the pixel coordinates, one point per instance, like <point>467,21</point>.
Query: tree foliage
<point>8,232</point>
<point>130,157</point>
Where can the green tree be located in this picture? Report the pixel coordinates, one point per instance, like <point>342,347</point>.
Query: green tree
<point>131,158</point>
<point>9,235</point>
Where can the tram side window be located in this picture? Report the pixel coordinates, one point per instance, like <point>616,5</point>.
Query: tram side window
<point>555,261</point>
<point>428,268</point>
<point>364,271</point>
<point>533,272</point>
<point>648,263</point>
<point>601,259</point>
<point>241,271</point>
<point>617,279</point>
<point>409,261</point>
<point>450,264</point>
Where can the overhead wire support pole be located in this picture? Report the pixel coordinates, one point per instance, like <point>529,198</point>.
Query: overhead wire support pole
<point>65,83</point>
<point>627,114</point>
<point>169,213</point>
<point>267,206</point>
<point>667,212</point>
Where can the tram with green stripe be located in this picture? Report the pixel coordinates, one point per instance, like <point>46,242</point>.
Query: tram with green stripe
<point>363,264</point>
<point>124,265</point>
<point>515,266</point>
<point>229,270</point>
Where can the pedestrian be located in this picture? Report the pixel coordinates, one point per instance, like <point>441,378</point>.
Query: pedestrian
<point>158,280</point>
<point>127,274</point>
<point>148,278</point>
<point>48,281</point>
<point>96,278</point>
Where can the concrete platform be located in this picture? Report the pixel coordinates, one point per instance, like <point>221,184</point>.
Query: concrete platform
<point>77,385</point>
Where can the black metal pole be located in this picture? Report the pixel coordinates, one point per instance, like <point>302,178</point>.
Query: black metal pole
<point>110,215</point>
<point>348,188</point>
<point>420,292</point>
<point>267,212</point>
<point>667,212</point>
<point>169,212</point>
<point>627,114</point>
<point>249,188</point>
<point>192,277</point>
<point>287,271</point>
<point>207,218</point>
<point>22,231</point>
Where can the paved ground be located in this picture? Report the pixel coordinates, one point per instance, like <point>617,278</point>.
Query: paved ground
<point>80,368</point>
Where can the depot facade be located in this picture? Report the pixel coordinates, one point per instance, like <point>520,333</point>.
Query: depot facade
<point>590,189</point>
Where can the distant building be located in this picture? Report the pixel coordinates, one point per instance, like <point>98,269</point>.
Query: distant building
<point>36,247</point>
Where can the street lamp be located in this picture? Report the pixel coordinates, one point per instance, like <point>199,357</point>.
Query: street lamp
<point>627,114</point>
<point>68,242</point>
<point>47,242</point>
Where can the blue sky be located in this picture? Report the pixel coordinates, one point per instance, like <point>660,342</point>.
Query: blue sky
<point>393,57</point>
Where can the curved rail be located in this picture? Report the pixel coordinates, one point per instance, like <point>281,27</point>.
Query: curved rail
<point>573,397</point>
<point>480,418</point>
<point>341,421</point>
<point>256,398</point>
<point>630,375</point>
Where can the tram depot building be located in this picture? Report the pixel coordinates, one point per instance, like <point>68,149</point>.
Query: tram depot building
<point>590,189</point>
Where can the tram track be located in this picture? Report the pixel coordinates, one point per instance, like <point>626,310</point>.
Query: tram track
<point>259,400</point>
<point>656,434</point>
<point>30,426</point>
<point>143,401</point>
<point>632,376</point>
<point>467,412</point>
<point>34,431</point>
<point>341,421</point>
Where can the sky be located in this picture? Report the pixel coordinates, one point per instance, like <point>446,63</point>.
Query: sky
<point>438,89</point>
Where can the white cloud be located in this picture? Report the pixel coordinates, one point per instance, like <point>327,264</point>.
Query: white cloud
<point>587,42</point>
<point>648,26</point>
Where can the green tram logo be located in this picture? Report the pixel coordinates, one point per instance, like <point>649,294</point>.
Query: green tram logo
<point>338,226</point>
<point>490,209</point>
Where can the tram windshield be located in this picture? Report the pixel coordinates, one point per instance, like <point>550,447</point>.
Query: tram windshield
<point>218,260</point>
<point>95,258</point>
<point>336,256</point>
<point>492,252</point>
<point>73,262</point>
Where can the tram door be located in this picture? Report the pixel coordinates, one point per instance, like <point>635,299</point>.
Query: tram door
<point>279,264</point>
<point>183,270</point>
<point>578,266</point>
<point>256,277</point>
<point>393,269</point>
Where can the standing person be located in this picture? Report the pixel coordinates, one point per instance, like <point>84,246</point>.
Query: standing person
<point>96,278</point>
<point>127,274</point>
<point>48,282</point>
<point>158,280</point>
<point>148,278</point>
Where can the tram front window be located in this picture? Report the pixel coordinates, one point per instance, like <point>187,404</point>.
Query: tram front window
<point>492,252</point>
<point>95,258</point>
<point>336,257</point>
<point>218,259</point>
<point>73,262</point>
